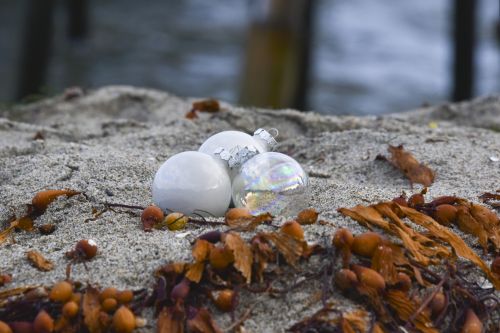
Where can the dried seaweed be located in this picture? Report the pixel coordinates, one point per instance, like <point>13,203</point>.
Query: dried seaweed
<point>411,168</point>
<point>38,260</point>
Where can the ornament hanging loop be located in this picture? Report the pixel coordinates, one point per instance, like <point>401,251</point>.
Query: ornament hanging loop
<point>267,136</point>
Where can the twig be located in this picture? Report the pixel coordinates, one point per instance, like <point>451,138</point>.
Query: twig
<point>242,319</point>
<point>109,204</point>
<point>427,300</point>
<point>205,222</point>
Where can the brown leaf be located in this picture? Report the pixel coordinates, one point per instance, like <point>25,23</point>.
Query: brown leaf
<point>43,199</point>
<point>307,216</point>
<point>383,215</point>
<point>6,233</point>
<point>64,325</point>
<point>453,239</point>
<point>195,271</point>
<point>290,247</point>
<point>413,170</point>
<point>405,308</point>
<point>25,223</point>
<point>242,252</point>
<point>487,196</point>
<point>4,279</point>
<point>170,320</point>
<point>5,294</point>
<point>47,229</point>
<point>38,260</point>
<point>262,254</point>
<point>358,319</point>
<point>383,263</point>
<point>241,220</point>
<point>201,250</point>
<point>202,322</point>
<point>345,326</point>
<point>91,308</point>
<point>377,328</point>
<point>490,222</point>
<point>191,115</point>
<point>467,223</point>
<point>207,105</point>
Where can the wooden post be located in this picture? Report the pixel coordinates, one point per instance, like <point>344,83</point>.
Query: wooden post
<point>464,39</point>
<point>36,46</point>
<point>276,70</point>
<point>78,17</point>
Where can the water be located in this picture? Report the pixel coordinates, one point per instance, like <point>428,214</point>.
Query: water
<point>370,57</point>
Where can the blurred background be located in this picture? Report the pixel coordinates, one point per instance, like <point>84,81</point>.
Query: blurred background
<point>331,56</point>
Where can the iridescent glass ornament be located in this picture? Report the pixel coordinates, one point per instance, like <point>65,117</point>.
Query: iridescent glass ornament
<point>271,182</point>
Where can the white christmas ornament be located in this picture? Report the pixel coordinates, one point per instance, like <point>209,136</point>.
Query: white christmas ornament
<point>192,182</point>
<point>228,140</point>
<point>232,148</point>
<point>271,182</point>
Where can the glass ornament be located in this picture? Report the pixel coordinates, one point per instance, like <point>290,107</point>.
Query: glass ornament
<point>271,182</point>
<point>192,182</point>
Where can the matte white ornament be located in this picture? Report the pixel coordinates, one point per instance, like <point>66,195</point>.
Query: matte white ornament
<point>228,140</point>
<point>192,182</point>
<point>271,182</point>
<point>233,148</point>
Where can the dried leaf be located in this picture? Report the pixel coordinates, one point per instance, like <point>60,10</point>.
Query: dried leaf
<point>467,223</point>
<point>383,263</point>
<point>170,320</point>
<point>383,215</point>
<point>202,322</point>
<point>453,239</point>
<point>5,294</point>
<point>207,105</point>
<point>25,223</point>
<point>307,216</point>
<point>201,250</point>
<point>413,170</point>
<point>489,221</point>
<point>377,328</point>
<point>191,115</point>
<point>91,310</point>
<point>487,196</point>
<point>38,260</point>
<point>195,271</point>
<point>358,319</point>
<point>262,254</point>
<point>345,326</point>
<point>6,233</point>
<point>43,199</point>
<point>4,279</point>
<point>405,308</point>
<point>247,222</point>
<point>242,252</point>
<point>290,247</point>
<point>47,229</point>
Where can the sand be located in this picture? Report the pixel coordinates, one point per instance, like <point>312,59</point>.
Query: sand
<point>109,143</point>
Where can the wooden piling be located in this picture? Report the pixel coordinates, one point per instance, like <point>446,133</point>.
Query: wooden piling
<point>36,47</point>
<point>277,64</point>
<point>78,17</point>
<point>464,43</point>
